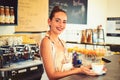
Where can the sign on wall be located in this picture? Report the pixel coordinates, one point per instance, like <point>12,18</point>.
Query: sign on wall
<point>32,16</point>
<point>113,26</point>
<point>76,10</point>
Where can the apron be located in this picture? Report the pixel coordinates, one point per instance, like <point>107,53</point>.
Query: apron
<point>62,60</point>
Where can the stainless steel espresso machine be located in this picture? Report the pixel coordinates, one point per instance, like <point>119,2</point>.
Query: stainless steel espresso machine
<point>19,62</point>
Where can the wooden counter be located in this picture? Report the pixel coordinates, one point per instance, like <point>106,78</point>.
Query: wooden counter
<point>113,72</point>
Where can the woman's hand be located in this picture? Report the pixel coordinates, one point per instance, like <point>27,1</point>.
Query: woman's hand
<point>86,70</point>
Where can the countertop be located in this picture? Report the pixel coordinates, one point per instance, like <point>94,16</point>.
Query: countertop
<point>20,65</point>
<point>113,72</point>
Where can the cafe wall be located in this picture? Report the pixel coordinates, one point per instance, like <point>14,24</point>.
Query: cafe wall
<point>98,11</point>
<point>113,8</point>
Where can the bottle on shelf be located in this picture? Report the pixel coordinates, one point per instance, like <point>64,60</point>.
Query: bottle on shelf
<point>2,15</point>
<point>83,38</point>
<point>100,35</point>
<point>7,14</point>
<point>94,37</point>
<point>12,16</point>
<point>89,35</point>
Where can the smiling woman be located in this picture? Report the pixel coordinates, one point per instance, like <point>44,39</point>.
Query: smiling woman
<point>57,62</point>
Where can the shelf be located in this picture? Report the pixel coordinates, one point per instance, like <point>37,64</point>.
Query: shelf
<point>87,43</point>
<point>106,44</point>
<point>113,47</point>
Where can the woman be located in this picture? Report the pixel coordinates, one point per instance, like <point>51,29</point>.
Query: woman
<point>56,61</point>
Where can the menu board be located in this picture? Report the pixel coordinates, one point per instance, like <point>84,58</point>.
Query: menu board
<point>32,16</point>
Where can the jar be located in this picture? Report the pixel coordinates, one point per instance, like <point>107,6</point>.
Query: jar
<point>83,38</point>
<point>7,15</point>
<point>100,33</point>
<point>2,15</point>
<point>89,35</point>
<point>100,36</point>
<point>95,36</point>
<point>12,16</point>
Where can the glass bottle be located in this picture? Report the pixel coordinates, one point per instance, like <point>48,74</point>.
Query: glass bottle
<point>12,16</point>
<point>2,15</point>
<point>75,59</point>
<point>7,15</point>
<point>89,36</point>
<point>94,36</point>
<point>100,34</point>
<point>83,38</point>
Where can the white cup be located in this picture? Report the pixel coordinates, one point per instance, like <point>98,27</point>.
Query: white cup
<point>97,67</point>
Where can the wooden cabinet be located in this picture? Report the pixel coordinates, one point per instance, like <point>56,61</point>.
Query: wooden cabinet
<point>32,16</point>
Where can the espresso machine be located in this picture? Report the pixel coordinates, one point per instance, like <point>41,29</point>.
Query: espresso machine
<point>17,53</point>
<point>20,60</point>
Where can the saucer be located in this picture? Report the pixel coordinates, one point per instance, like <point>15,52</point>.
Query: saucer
<point>102,73</point>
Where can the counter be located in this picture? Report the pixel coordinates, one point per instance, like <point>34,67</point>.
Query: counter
<point>25,70</point>
<point>113,72</point>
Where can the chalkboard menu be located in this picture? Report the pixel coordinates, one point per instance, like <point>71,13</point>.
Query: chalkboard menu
<point>8,12</point>
<point>76,10</point>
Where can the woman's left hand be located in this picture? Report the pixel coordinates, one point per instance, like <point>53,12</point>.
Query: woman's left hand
<point>86,70</point>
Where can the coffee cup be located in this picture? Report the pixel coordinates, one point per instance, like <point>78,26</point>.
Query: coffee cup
<point>97,67</point>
